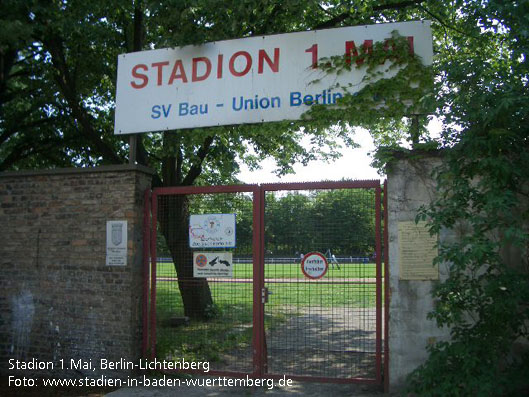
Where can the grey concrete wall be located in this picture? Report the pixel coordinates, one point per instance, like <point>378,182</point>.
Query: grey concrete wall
<point>410,186</point>
<point>58,299</point>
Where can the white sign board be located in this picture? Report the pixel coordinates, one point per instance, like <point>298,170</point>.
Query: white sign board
<point>116,243</point>
<point>251,80</point>
<point>212,231</point>
<point>213,264</point>
<point>314,265</point>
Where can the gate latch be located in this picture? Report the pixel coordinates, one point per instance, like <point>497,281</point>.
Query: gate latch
<point>264,295</point>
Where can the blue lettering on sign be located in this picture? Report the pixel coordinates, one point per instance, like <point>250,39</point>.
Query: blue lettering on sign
<point>242,103</point>
<point>326,97</point>
<point>158,110</point>
<point>185,109</point>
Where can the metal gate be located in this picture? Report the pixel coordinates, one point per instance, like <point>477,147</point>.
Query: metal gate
<point>269,316</point>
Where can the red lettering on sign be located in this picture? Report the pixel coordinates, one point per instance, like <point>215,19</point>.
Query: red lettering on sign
<point>141,76</point>
<point>219,66</point>
<point>194,68</point>
<point>201,68</point>
<point>350,51</point>
<point>393,47</point>
<point>178,72</point>
<point>410,43</point>
<point>246,68</point>
<point>314,51</point>
<point>274,65</point>
<point>160,66</point>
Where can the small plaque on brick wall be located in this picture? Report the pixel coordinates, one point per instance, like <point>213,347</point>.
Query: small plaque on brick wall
<point>417,250</point>
<point>116,243</point>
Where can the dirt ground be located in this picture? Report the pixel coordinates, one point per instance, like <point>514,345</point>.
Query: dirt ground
<point>329,342</point>
<point>333,342</point>
<point>326,342</point>
<point>318,341</point>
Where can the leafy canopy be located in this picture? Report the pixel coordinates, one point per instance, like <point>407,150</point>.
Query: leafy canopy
<point>58,82</point>
<point>482,81</point>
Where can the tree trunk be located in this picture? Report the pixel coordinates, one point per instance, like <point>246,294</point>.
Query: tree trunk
<point>174,222</point>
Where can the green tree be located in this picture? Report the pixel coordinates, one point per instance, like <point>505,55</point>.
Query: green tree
<point>346,219</point>
<point>483,96</point>
<point>57,84</point>
<point>341,220</point>
<point>57,80</point>
<point>288,224</point>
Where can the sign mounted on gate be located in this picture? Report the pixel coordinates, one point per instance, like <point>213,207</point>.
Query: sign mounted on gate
<point>249,80</point>
<point>212,231</point>
<point>212,264</point>
<point>314,265</point>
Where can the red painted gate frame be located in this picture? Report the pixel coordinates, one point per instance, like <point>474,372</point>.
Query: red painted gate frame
<point>258,340</point>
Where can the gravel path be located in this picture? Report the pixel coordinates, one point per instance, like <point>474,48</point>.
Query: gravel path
<point>317,341</point>
<point>333,342</point>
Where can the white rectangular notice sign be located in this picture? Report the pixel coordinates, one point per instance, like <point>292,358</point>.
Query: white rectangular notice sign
<point>212,231</point>
<point>250,80</point>
<point>213,264</point>
<point>116,243</point>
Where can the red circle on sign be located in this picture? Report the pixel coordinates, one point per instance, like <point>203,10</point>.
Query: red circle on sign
<point>201,260</point>
<point>317,273</point>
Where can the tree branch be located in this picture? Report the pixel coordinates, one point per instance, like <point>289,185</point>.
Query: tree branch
<point>444,24</point>
<point>383,7</point>
<point>7,133</point>
<point>196,169</point>
<point>66,86</point>
<point>179,163</point>
<point>26,149</point>
<point>7,60</point>
<point>32,54</point>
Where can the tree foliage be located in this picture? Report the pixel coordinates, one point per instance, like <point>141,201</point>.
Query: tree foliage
<point>483,193</point>
<point>58,61</point>
<point>57,81</point>
<point>57,84</point>
<point>340,220</point>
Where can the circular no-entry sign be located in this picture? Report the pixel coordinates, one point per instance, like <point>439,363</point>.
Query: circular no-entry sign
<point>314,265</point>
<point>201,260</point>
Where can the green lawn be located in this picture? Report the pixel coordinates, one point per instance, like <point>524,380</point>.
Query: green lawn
<point>293,270</point>
<point>230,326</point>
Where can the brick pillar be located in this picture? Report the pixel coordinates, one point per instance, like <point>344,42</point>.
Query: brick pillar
<point>58,299</point>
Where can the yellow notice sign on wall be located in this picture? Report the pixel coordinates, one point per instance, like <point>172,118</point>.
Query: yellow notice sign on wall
<point>417,250</point>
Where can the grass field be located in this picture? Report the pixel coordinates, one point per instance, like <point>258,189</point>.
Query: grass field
<point>229,328</point>
<point>292,270</point>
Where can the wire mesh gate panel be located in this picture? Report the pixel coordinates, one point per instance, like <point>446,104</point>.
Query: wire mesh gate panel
<point>268,318</point>
<point>324,328</point>
<point>202,319</point>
